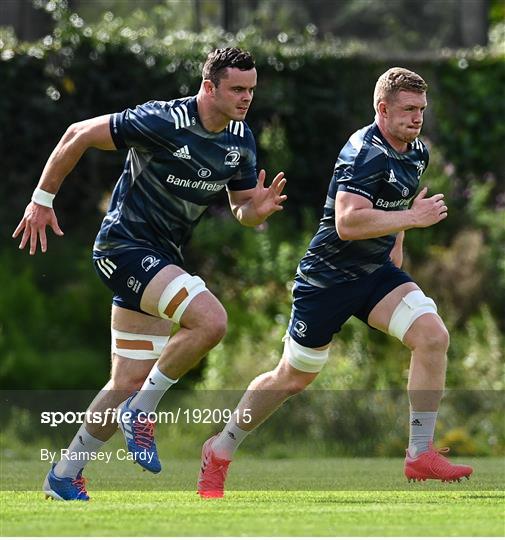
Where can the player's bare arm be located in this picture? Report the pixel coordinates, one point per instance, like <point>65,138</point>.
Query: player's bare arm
<point>92,133</point>
<point>397,251</point>
<point>253,206</point>
<point>356,219</point>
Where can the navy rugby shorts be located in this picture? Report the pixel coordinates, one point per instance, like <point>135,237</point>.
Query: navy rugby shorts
<point>127,274</point>
<point>319,313</point>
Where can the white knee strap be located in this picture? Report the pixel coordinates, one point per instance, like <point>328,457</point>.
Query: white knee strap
<point>304,358</point>
<point>178,294</point>
<point>410,308</point>
<point>137,346</point>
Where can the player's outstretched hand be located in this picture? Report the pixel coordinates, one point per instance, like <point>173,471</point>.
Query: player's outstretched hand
<point>428,211</point>
<point>35,220</point>
<point>268,200</point>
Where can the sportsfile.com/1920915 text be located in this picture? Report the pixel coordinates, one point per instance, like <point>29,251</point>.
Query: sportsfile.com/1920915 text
<point>185,415</point>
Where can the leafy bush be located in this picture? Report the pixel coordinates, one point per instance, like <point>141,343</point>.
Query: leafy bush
<point>47,328</point>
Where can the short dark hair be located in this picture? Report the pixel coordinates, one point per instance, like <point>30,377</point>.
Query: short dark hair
<point>220,59</point>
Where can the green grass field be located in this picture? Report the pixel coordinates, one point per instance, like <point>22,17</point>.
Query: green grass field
<point>302,497</point>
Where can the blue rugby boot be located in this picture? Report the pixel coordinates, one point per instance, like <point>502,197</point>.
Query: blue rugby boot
<point>138,432</point>
<point>65,489</point>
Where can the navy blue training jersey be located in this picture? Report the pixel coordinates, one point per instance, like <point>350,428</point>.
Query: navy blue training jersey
<point>368,166</point>
<point>174,169</point>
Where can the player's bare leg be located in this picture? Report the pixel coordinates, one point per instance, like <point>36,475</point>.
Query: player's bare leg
<point>428,340</point>
<point>265,394</point>
<point>171,293</point>
<point>127,375</point>
<point>203,325</point>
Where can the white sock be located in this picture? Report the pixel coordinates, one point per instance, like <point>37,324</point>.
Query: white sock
<point>422,431</point>
<point>83,444</point>
<point>152,391</point>
<point>229,440</point>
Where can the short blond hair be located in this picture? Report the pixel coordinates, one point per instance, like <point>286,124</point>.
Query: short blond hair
<point>394,80</point>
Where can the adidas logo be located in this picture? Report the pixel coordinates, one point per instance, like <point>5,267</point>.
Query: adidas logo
<point>416,422</point>
<point>183,152</point>
<point>392,177</point>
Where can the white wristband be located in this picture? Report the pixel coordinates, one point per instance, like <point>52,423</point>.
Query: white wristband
<point>43,197</point>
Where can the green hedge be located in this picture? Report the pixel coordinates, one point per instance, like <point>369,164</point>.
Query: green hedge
<point>311,96</point>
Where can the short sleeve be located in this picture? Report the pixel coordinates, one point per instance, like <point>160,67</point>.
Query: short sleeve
<point>140,127</point>
<point>364,176</point>
<point>246,176</point>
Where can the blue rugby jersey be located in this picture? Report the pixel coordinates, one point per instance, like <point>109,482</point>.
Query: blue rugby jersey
<point>368,166</point>
<point>173,171</point>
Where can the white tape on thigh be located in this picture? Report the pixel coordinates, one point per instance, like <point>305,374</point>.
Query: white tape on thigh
<point>178,294</point>
<point>410,308</point>
<point>137,346</point>
<point>304,358</point>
